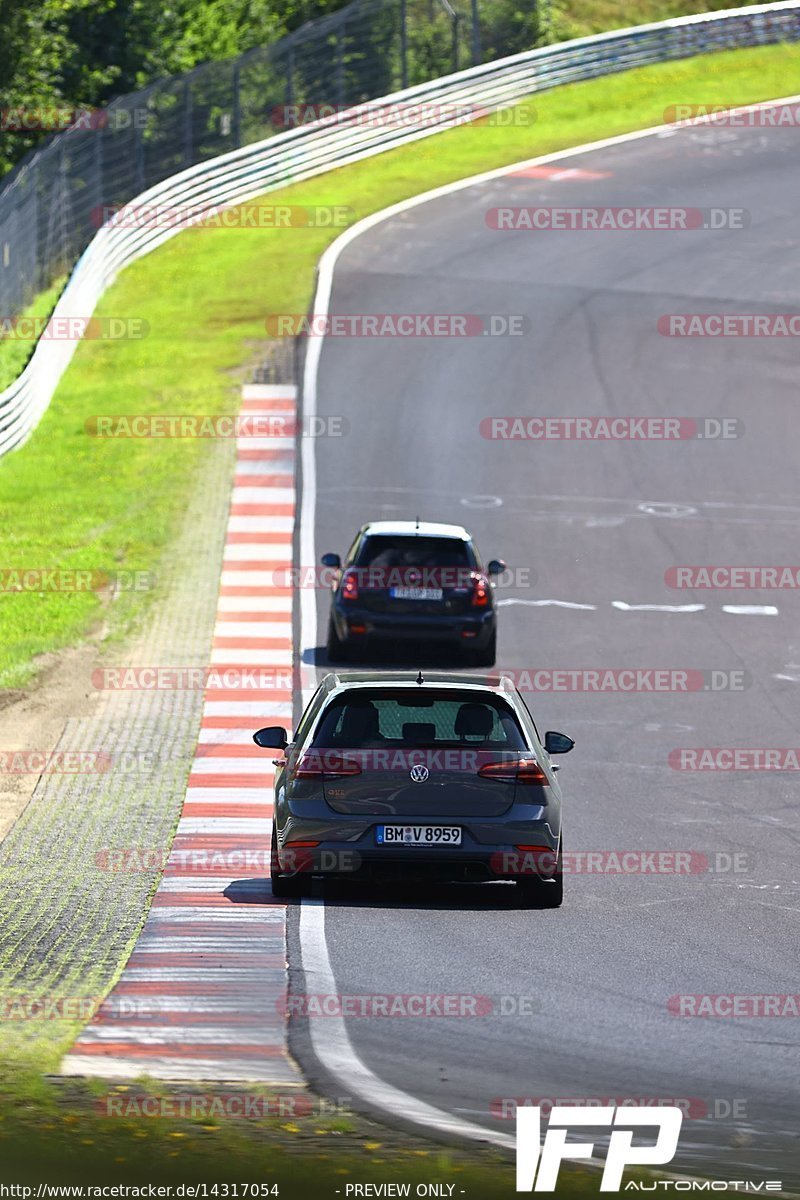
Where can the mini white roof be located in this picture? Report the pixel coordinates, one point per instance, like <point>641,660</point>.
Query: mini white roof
<point>424,529</point>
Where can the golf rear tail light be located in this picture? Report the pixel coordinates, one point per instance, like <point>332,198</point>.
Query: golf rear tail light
<point>316,765</point>
<point>349,585</point>
<point>480,591</point>
<point>523,770</point>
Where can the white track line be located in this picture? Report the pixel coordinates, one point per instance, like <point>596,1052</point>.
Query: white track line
<point>334,1049</point>
<point>751,610</point>
<point>670,608</point>
<point>546,604</point>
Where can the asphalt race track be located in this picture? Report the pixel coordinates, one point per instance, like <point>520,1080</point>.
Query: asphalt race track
<point>597,523</point>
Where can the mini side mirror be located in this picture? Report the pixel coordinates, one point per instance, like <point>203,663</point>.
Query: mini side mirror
<point>331,560</point>
<point>496,566</point>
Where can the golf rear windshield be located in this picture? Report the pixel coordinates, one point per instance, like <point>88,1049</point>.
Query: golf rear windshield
<point>402,718</point>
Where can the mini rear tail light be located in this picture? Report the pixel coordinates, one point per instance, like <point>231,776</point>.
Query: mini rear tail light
<point>301,845</point>
<point>350,585</point>
<point>480,591</point>
<point>522,770</point>
<point>317,764</point>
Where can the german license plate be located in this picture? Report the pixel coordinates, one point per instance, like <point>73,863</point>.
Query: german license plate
<point>416,593</point>
<point>418,835</point>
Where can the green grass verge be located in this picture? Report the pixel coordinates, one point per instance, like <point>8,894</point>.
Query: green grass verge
<point>72,500</point>
<point>60,1133</point>
<point>14,354</point>
<point>578,18</point>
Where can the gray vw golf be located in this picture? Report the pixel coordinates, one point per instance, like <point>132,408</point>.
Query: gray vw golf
<point>397,774</point>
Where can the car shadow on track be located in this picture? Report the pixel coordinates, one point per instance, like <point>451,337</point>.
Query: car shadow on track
<point>432,895</point>
<point>428,894</point>
<point>391,657</point>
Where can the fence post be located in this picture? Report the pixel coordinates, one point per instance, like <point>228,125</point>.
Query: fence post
<point>404,43</point>
<point>340,64</point>
<point>237,106</point>
<point>476,34</point>
<point>290,80</point>
<point>100,134</point>
<point>454,53</point>
<point>187,122</point>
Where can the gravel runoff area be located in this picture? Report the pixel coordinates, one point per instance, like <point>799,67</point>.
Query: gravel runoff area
<point>67,922</point>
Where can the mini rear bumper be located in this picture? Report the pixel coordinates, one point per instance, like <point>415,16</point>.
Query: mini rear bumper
<point>357,625</point>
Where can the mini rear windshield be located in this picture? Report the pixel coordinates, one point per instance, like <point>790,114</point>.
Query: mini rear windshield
<point>387,550</point>
<point>404,719</point>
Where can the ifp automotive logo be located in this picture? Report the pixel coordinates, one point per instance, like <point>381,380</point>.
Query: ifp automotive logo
<point>547,1155</point>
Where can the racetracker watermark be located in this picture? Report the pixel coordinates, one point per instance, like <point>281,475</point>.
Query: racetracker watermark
<point>408,1005</point>
<point>735,758</point>
<point>246,425</point>
<point>540,860</point>
<point>134,860</point>
<point>48,1008</point>
<point>710,116</point>
<point>55,762</point>
<point>610,429</point>
<point>57,579</point>
<point>375,578</point>
<point>733,578</point>
<point>694,1108</point>
<point>400,114</point>
<point>73,329</point>
<point>212,1106</point>
<point>731,1004</point>
<point>49,118</point>
<point>183,679</point>
<point>624,680</point>
<point>616,219</point>
<point>247,216</point>
<point>397,325</point>
<point>725,325</point>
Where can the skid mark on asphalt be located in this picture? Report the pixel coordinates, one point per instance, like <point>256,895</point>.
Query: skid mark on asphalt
<point>204,990</point>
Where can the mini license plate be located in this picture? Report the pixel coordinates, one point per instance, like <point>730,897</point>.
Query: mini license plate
<point>418,835</point>
<point>416,593</point>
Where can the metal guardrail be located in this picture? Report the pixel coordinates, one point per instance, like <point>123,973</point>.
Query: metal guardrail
<point>360,132</point>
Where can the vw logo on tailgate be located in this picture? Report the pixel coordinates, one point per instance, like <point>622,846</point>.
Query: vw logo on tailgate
<point>419,773</point>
